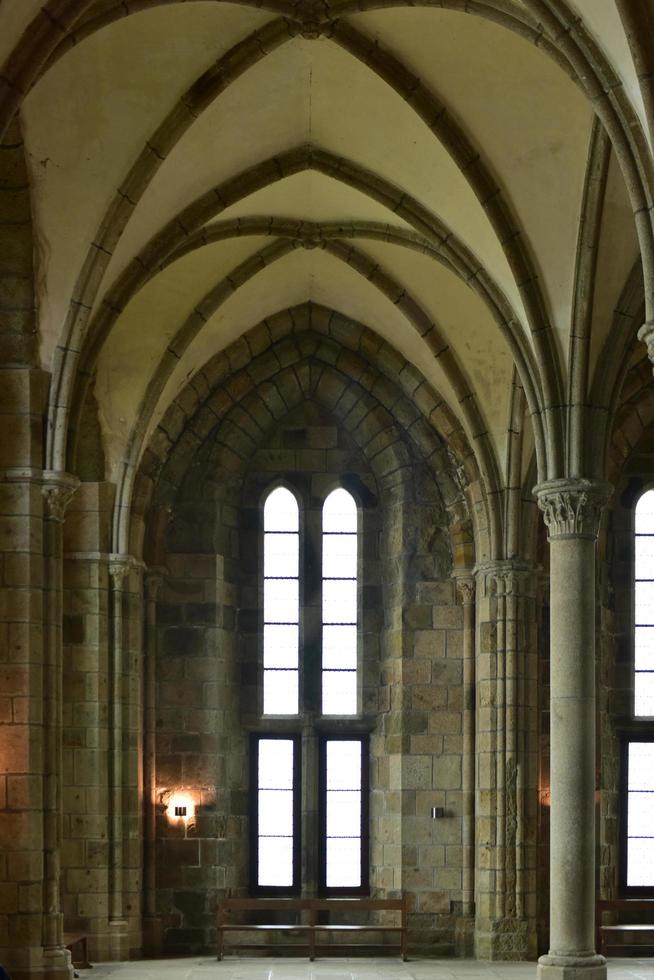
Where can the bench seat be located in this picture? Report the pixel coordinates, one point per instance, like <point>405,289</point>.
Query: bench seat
<point>627,938</point>
<point>310,932</point>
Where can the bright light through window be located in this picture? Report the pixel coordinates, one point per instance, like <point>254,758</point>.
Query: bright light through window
<point>281,603</point>
<point>644,608</point>
<point>339,605</point>
<point>640,807</point>
<point>275,812</point>
<point>343,802</point>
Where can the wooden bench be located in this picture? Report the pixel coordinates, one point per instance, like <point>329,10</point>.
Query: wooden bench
<point>634,937</point>
<point>75,942</point>
<point>308,931</point>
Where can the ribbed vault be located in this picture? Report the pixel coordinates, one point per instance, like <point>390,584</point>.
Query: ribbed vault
<point>472,181</point>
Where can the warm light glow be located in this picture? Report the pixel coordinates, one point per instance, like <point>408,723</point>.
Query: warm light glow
<point>179,802</point>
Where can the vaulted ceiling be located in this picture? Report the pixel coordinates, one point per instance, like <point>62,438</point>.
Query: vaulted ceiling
<point>459,177</point>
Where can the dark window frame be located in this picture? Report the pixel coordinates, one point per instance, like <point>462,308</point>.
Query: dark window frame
<point>275,890</point>
<point>364,888</point>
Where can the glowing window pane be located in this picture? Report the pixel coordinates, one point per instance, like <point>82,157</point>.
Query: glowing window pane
<point>640,810</point>
<point>275,769</point>
<point>644,603</point>
<point>641,816</point>
<point>644,648</point>
<point>339,512</point>
<point>344,814</point>
<point>343,764</point>
<point>645,556</point>
<point>280,692</point>
<point>343,862</point>
<point>339,556</point>
<point>343,801</point>
<point>339,601</point>
<point>280,646</point>
<point>280,601</point>
<point>339,692</point>
<point>275,862</point>
<point>275,799</point>
<point>644,694</point>
<point>640,862</point>
<point>280,512</point>
<point>339,647</point>
<point>280,555</point>
<point>275,813</point>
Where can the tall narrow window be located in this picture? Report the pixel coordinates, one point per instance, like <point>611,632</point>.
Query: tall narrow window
<point>275,819</point>
<point>281,605</point>
<point>339,604</point>
<point>644,608</point>
<point>344,818</point>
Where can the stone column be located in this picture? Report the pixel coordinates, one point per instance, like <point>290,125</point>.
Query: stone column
<point>151,924</point>
<point>572,511</point>
<point>58,489</point>
<point>505,926</point>
<point>465,585</point>
<point>118,926</point>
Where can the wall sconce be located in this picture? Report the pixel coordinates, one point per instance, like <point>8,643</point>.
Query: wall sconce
<point>437,812</point>
<point>180,807</point>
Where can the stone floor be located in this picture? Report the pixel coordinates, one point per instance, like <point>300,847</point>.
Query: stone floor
<point>242,968</point>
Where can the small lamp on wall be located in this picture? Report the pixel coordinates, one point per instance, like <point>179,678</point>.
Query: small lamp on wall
<point>180,807</point>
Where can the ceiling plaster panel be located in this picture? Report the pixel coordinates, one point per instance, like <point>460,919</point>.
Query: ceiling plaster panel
<point>617,253</point>
<point>602,21</point>
<point>264,112</point>
<point>298,277</point>
<point>312,196</point>
<point>528,120</point>
<point>315,92</point>
<point>141,334</point>
<point>357,114</point>
<point>89,117</point>
<point>463,320</point>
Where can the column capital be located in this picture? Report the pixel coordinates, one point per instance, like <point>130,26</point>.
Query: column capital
<point>506,576</point>
<point>58,490</point>
<point>573,508</point>
<point>153,579</point>
<point>646,335</point>
<point>121,565</point>
<point>465,585</point>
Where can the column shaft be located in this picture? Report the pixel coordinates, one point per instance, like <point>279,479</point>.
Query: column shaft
<point>572,739</point>
<point>572,512</point>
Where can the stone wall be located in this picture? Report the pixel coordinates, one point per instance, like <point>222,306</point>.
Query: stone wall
<point>209,678</point>
<point>196,683</point>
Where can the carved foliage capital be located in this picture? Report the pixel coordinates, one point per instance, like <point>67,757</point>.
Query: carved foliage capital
<point>573,508</point>
<point>509,576</point>
<point>58,490</point>
<point>465,586</point>
<point>119,567</point>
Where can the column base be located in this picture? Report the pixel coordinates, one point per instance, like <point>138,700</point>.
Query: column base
<point>553,967</point>
<point>118,940</point>
<point>38,963</point>
<point>507,939</point>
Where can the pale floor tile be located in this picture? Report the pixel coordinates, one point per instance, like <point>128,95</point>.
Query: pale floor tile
<point>243,968</point>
